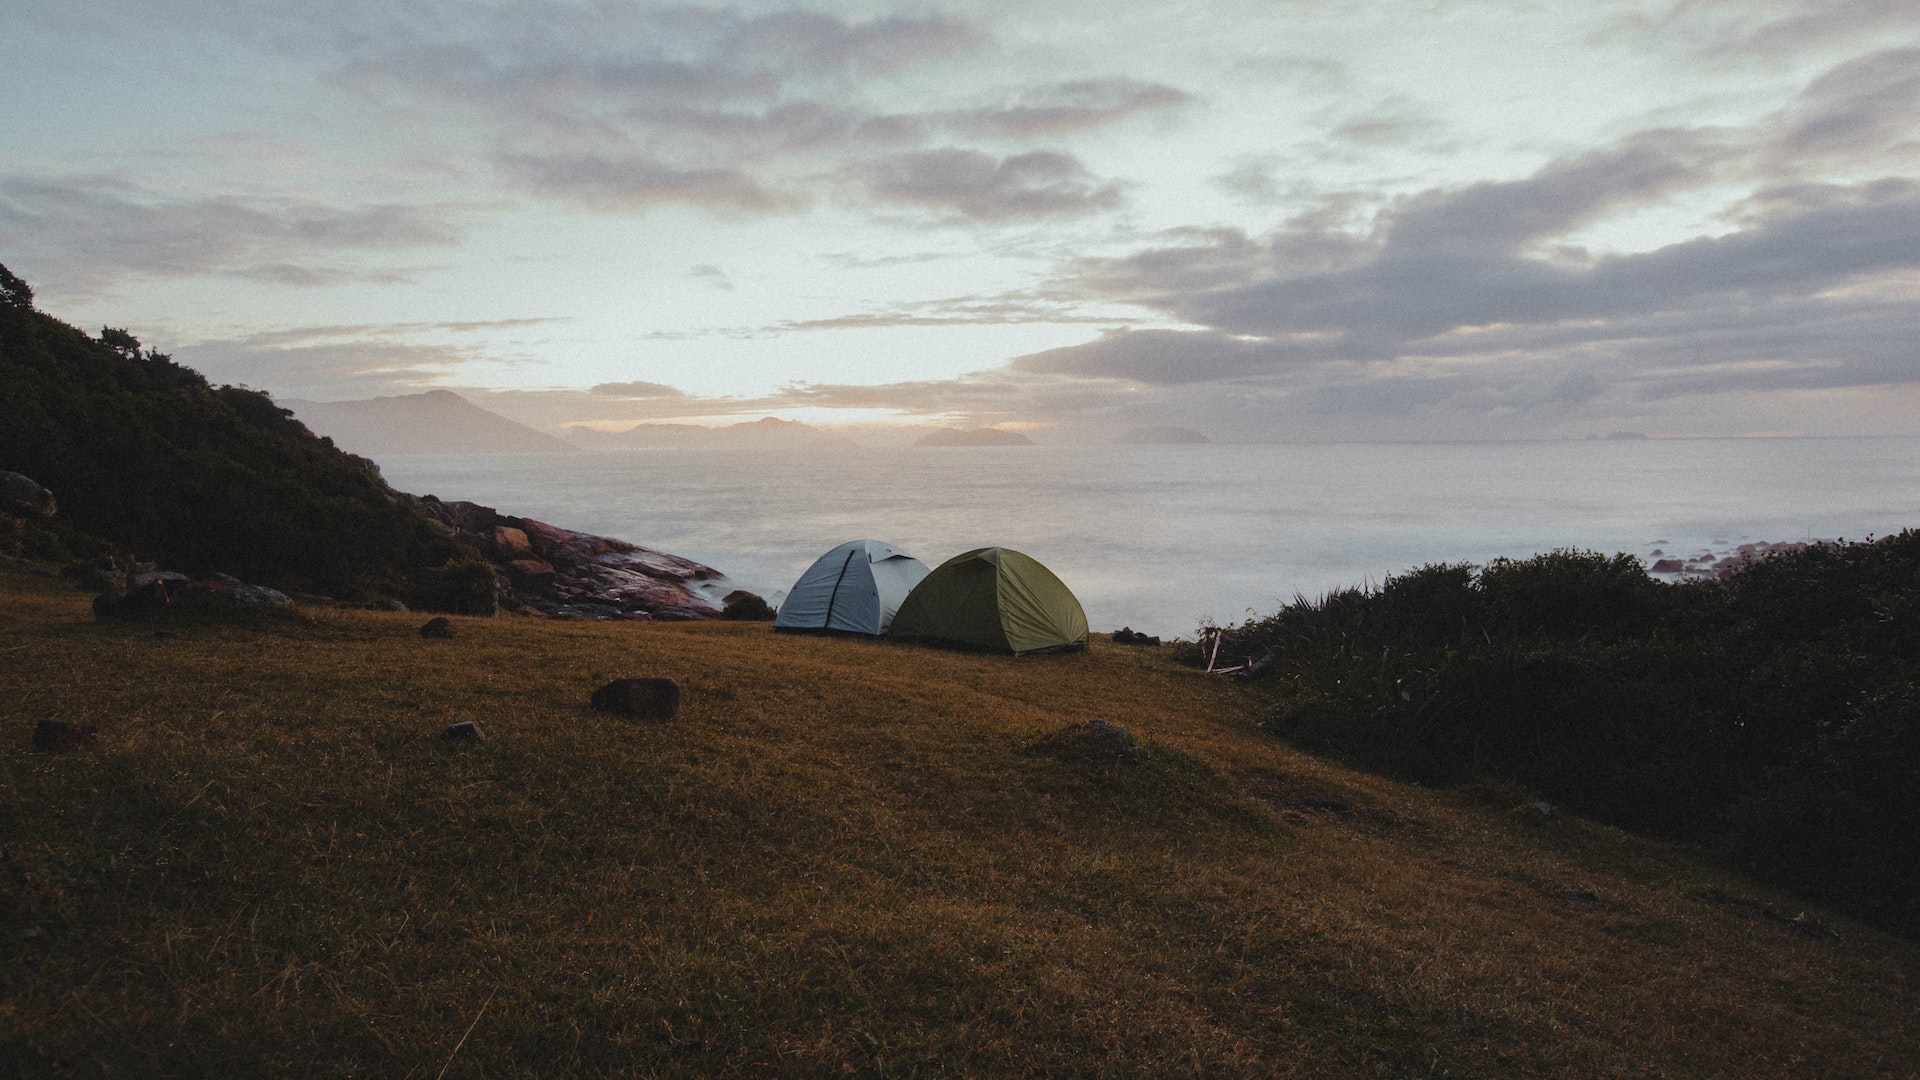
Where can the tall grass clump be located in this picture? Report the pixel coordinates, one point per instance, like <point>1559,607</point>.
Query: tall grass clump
<point>1771,716</point>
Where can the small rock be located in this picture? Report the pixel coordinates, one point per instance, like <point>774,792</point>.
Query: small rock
<point>59,736</point>
<point>649,699</point>
<point>1543,809</point>
<point>388,603</point>
<point>438,627</point>
<point>464,731</point>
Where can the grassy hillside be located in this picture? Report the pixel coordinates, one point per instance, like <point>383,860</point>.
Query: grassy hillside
<point>843,858</point>
<point>144,453</point>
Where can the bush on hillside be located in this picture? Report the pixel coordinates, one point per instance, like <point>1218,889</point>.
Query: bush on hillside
<point>1771,716</point>
<point>462,586</point>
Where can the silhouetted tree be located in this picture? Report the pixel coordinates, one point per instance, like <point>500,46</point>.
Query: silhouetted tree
<point>121,342</point>
<point>13,291</point>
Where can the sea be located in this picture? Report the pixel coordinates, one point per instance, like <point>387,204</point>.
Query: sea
<point>1168,539</point>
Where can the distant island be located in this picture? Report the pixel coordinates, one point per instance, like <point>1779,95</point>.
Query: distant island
<point>1163,435</point>
<point>768,431</point>
<point>434,422</point>
<point>972,437</point>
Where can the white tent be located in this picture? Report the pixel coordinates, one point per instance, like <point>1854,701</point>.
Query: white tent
<point>855,588</point>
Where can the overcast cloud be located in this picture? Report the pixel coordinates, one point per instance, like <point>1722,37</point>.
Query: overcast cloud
<point>1354,219</point>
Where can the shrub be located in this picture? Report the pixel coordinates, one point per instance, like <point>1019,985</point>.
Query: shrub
<point>1771,717</point>
<point>461,586</point>
<point>743,606</point>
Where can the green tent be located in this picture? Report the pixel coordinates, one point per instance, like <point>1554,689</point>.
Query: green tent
<point>993,598</point>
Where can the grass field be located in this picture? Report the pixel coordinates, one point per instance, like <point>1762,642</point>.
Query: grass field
<point>842,858</point>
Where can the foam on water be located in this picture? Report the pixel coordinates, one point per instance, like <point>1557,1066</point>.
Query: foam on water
<point>1163,538</point>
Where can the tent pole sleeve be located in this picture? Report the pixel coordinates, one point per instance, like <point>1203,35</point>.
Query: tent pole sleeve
<point>833,596</point>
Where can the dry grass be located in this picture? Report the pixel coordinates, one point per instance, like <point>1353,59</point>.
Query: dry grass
<point>842,859</point>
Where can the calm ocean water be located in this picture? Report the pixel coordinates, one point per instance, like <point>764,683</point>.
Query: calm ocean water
<point>1164,538</point>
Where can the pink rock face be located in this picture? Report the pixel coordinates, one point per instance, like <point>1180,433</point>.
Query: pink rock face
<point>510,543</point>
<point>576,575</point>
<point>544,537</point>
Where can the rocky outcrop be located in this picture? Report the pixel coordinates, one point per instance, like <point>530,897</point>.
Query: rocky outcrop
<point>1720,559</point>
<point>559,572</point>
<point>165,592</point>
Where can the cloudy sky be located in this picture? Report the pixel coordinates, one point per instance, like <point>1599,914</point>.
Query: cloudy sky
<point>1264,219</point>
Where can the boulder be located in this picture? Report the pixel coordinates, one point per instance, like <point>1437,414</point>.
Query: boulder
<point>510,543</point>
<point>160,592</point>
<point>22,497</point>
<point>259,596</point>
<point>648,699</point>
<point>153,598</point>
<point>546,538</point>
<point>1668,566</point>
<point>59,736</point>
<point>438,627</point>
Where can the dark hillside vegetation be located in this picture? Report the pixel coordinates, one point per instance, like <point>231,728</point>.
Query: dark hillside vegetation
<point>145,454</point>
<point>1771,717</point>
